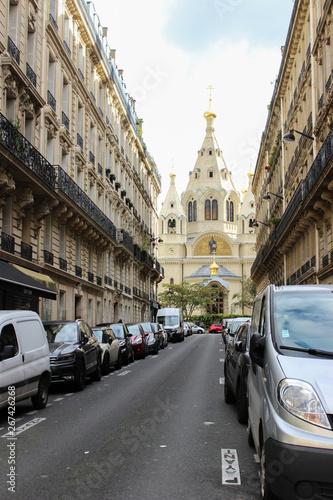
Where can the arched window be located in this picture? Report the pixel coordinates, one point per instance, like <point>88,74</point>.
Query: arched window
<point>194,210</point>
<point>171,226</point>
<point>215,211</point>
<point>181,227</point>
<point>190,211</point>
<point>171,281</point>
<point>227,210</point>
<point>231,211</point>
<point>208,214</point>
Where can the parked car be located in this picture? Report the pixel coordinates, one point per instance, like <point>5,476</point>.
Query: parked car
<point>111,351</point>
<point>153,343</point>
<point>215,328</point>
<point>290,390</point>
<point>24,359</point>
<point>172,320</point>
<point>122,334</point>
<point>187,329</point>
<point>158,331</point>
<point>138,339</point>
<point>165,336</point>
<point>74,352</point>
<point>196,328</point>
<point>226,324</point>
<point>236,369</point>
<point>231,330</point>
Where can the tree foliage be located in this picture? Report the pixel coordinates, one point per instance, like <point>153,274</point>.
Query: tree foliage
<point>188,296</point>
<point>247,295</point>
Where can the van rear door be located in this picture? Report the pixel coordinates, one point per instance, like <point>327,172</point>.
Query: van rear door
<point>11,369</point>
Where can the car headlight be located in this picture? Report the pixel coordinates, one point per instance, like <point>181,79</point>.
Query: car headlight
<point>300,399</point>
<point>121,343</point>
<point>65,357</point>
<point>137,341</point>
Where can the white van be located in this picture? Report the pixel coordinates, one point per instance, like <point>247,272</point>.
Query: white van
<point>172,320</point>
<point>24,358</point>
<point>290,391</point>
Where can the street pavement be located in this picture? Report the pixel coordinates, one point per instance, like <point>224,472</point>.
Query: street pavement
<point>156,429</point>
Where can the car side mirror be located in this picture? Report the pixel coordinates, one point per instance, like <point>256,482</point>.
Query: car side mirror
<point>84,338</point>
<point>8,351</point>
<point>129,335</point>
<point>257,348</point>
<point>146,334</point>
<point>238,346</point>
<point>110,341</point>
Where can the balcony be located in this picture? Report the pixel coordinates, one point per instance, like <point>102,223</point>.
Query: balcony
<point>51,101</point>
<point>63,264</point>
<point>53,22</point>
<point>79,141</point>
<point>48,257</point>
<point>21,148</point>
<point>90,277</point>
<point>31,75</point>
<point>107,280</point>
<point>91,158</point>
<point>26,251</point>
<point>125,239</point>
<point>13,51</point>
<point>78,271</point>
<point>65,120</point>
<point>67,48</point>
<point>7,243</point>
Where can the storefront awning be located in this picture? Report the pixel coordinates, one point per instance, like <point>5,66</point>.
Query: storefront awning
<point>13,277</point>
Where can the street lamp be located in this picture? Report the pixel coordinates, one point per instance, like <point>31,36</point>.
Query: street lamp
<point>170,292</point>
<point>267,197</point>
<point>159,240</point>
<point>255,223</point>
<point>289,136</point>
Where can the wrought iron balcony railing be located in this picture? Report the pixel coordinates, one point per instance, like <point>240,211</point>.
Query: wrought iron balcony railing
<point>13,51</point>
<point>31,75</point>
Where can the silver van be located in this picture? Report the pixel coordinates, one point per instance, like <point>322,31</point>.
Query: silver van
<point>24,359</point>
<point>171,318</point>
<point>290,391</point>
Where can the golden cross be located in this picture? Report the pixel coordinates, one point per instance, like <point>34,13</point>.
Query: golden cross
<point>210,88</point>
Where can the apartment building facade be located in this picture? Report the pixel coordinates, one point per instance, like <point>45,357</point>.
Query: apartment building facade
<point>295,161</point>
<point>78,187</point>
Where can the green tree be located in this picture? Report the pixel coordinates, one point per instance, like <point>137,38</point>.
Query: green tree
<point>188,296</point>
<point>247,295</point>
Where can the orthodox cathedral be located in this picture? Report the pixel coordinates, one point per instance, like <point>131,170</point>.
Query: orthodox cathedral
<point>207,234</point>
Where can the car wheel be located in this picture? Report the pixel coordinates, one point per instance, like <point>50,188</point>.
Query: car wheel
<point>228,395</point>
<point>97,374</point>
<point>156,349</point>
<point>106,365</point>
<point>241,405</point>
<point>265,489</point>
<point>39,401</point>
<point>126,359</point>
<point>119,363</point>
<point>80,382</point>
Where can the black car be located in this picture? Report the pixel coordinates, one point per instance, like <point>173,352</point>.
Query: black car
<point>158,331</point>
<point>121,332</point>
<point>153,342</point>
<point>236,368</point>
<point>74,352</point>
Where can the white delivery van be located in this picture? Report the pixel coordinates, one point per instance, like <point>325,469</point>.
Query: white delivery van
<point>24,358</point>
<point>172,320</point>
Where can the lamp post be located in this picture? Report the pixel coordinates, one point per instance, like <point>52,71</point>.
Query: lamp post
<point>255,223</point>
<point>170,292</point>
<point>290,137</point>
<point>267,196</point>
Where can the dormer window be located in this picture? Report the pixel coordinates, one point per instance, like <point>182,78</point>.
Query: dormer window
<point>210,174</point>
<point>171,205</point>
<point>210,153</point>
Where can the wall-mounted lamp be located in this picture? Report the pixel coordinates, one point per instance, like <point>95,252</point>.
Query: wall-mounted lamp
<point>159,240</point>
<point>267,197</point>
<point>289,137</point>
<point>255,223</point>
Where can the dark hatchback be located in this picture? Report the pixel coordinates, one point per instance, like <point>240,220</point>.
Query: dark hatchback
<point>74,352</point>
<point>121,332</point>
<point>236,369</point>
<point>152,340</point>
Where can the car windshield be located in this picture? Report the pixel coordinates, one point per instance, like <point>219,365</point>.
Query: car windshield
<point>118,331</point>
<point>304,319</point>
<point>61,332</point>
<point>134,329</point>
<point>168,320</point>
<point>147,327</point>
<point>101,336</point>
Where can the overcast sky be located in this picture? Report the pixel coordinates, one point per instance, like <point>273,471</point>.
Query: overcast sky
<point>172,50</point>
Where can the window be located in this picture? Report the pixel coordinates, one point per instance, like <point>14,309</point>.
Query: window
<point>190,211</point>
<point>231,211</point>
<point>62,245</point>
<point>8,337</point>
<point>215,214</point>
<point>227,210</point>
<point>62,306</point>
<point>172,281</point>
<point>210,174</point>
<point>208,215</point>
<point>47,233</point>
<point>194,210</point>
<point>210,153</point>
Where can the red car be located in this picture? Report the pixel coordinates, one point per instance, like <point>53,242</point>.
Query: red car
<point>215,328</point>
<point>138,339</point>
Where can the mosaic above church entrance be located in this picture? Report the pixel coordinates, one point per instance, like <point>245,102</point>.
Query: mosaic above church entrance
<point>212,244</point>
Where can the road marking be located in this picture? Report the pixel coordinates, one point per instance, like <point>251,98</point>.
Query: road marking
<point>69,394</point>
<point>124,373</point>
<point>58,399</point>
<point>230,467</point>
<point>222,360</point>
<point>221,380</point>
<point>24,427</point>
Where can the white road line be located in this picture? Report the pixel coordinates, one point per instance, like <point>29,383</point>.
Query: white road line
<point>124,373</point>
<point>230,467</point>
<point>23,428</point>
<point>221,380</point>
<point>69,394</point>
<point>222,360</point>
<point>58,399</point>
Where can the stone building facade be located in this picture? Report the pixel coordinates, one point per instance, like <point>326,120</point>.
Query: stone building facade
<point>209,220</point>
<point>294,235</point>
<point>78,188</point>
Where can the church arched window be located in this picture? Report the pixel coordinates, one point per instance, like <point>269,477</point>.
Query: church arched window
<point>194,210</point>
<point>208,210</point>
<point>171,226</point>
<point>231,211</point>
<point>215,211</point>
<point>189,215</point>
<point>227,211</point>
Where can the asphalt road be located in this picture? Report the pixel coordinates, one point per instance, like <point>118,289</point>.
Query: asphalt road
<point>156,429</point>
